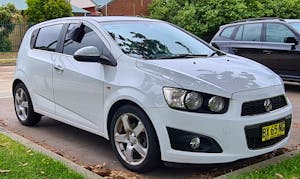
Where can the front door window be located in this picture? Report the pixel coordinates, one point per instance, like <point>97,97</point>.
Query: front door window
<point>277,32</point>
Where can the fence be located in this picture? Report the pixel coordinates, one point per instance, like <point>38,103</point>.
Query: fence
<point>11,36</point>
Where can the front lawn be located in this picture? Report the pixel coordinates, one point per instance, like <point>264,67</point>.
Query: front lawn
<point>17,161</point>
<point>287,169</point>
<point>7,62</point>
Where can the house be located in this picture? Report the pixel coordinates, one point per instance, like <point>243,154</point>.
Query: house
<point>22,5</point>
<point>87,5</point>
<point>123,7</point>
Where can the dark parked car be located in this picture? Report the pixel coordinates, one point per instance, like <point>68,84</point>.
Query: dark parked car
<point>272,42</point>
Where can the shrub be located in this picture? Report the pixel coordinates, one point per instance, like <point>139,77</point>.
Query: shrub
<point>204,17</point>
<point>5,44</point>
<point>42,10</point>
<point>8,15</point>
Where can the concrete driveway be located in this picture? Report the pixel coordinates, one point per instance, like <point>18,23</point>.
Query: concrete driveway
<point>88,149</point>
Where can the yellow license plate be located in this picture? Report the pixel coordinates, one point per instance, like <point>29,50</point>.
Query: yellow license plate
<point>273,131</point>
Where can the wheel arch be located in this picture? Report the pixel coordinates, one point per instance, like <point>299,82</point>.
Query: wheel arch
<point>15,83</point>
<point>21,77</point>
<point>24,81</point>
<point>116,105</point>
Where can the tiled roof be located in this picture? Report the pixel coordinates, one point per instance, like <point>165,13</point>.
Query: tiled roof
<point>101,3</point>
<point>83,3</point>
<point>79,10</point>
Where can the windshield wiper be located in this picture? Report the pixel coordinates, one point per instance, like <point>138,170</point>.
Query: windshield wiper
<point>184,56</point>
<point>216,53</point>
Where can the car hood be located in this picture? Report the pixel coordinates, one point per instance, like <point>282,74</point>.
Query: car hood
<point>222,75</point>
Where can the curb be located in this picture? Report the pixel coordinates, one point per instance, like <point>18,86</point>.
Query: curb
<point>77,168</point>
<point>260,165</point>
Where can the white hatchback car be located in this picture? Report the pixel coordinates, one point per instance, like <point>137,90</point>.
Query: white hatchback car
<point>157,92</point>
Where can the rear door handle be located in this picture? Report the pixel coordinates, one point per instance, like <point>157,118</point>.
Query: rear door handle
<point>58,68</point>
<point>267,52</point>
<point>235,50</point>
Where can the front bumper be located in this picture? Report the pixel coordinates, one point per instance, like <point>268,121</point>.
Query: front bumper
<point>228,130</point>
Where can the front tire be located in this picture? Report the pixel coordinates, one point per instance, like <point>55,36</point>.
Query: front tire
<point>134,140</point>
<point>23,106</point>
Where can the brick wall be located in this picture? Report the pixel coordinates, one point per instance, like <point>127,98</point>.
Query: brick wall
<point>127,8</point>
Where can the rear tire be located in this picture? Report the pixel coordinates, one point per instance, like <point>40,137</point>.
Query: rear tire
<point>23,106</point>
<point>134,139</point>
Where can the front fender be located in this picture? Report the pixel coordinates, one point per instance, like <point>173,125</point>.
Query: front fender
<point>143,100</point>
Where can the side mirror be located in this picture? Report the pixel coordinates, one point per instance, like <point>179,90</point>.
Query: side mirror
<point>91,54</point>
<point>87,54</point>
<point>291,40</point>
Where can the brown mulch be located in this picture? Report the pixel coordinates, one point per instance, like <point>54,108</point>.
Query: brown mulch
<point>2,123</point>
<point>111,173</point>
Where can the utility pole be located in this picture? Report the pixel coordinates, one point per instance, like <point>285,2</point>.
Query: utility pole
<point>106,10</point>
<point>133,5</point>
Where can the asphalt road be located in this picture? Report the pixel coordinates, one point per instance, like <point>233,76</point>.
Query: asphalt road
<point>88,149</point>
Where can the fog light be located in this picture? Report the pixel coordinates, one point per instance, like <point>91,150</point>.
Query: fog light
<point>195,143</point>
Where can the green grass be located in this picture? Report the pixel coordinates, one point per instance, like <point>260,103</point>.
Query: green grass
<point>17,161</point>
<point>4,62</point>
<point>289,168</point>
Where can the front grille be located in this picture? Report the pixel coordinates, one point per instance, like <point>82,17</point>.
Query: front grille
<point>254,134</point>
<point>257,107</point>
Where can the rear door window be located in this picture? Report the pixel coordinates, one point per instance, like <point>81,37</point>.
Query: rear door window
<point>227,32</point>
<point>249,32</point>
<point>47,38</point>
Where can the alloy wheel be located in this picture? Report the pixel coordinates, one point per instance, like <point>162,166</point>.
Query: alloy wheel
<point>131,139</point>
<point>21,104</point>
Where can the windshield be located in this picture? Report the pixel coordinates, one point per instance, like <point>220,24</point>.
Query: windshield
<point>296,26</point>
<point>155,40</point>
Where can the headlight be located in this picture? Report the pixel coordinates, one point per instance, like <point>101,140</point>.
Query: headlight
<point>175,97</point>
<point>188,100</point>
<point>193,101</point>
<point>216,104</point>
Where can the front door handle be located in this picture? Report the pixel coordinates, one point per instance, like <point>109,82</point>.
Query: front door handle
<point>58,68</point>
<point>267,52</point>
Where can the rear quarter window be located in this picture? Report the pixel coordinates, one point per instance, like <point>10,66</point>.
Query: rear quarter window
<point>227,32</point>
<point>47,38</point>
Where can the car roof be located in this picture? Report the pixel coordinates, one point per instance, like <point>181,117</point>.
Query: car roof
<point>262,19</point>
<point>103,19</point>
<point>292,20</point>
<point>96,19</point>
<point>122,18</point>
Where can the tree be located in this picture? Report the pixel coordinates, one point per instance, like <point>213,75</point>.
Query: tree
<point>204,17</point>
<point>8,15</point>
<point>42,10</point>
